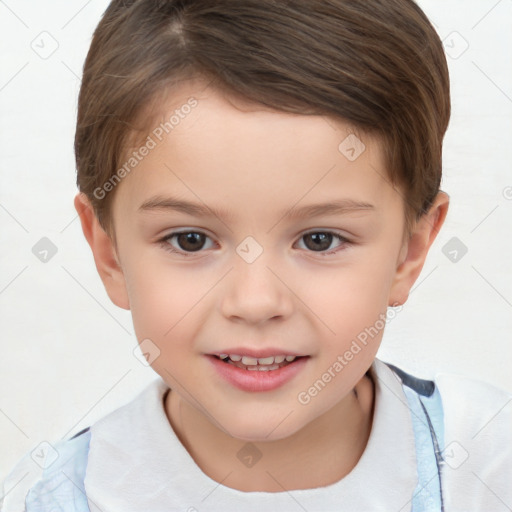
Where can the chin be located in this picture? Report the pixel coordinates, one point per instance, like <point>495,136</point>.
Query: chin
<point>259,430</point>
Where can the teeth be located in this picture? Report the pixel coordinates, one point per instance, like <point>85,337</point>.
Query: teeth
<point>256,362</point>
<point>263,368</point>
<point>266,360</point>
<point>248,361</point>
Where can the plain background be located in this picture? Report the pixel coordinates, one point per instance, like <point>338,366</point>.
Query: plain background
<point>68,352</point>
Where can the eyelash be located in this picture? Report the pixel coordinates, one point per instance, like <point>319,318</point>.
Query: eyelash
<point>164,242</point>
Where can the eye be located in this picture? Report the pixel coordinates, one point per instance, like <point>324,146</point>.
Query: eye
<point>319,241</point>
<point>186,242</point>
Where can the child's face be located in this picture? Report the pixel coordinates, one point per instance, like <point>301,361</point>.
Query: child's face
<point>256,168</point>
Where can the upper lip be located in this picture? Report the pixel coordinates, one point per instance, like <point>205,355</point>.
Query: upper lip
<point>256,353</point>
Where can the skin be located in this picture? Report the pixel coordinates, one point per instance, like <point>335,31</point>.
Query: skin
<point>256,163</point>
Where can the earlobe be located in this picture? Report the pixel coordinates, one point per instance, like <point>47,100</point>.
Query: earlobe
<point>104,253</point>
<point>414,252</point>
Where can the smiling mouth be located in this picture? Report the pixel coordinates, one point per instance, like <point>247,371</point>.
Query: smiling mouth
<point>258,364</point>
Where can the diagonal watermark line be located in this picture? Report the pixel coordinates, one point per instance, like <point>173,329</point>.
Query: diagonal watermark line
<point>83,208</point>
<point>80,490</point>
<point>13,487</point>
<point>486,14</point>
<point>280,423</point>
<point>198,301</point>
<point>492,81</point>
<point>213,213</point>
<point>489,283</point>
<point>417,492</point>
<point>13,279</point>
<point>330,122</point>
<point>95,404</point>
<point>215,488</point>
<point>96,300</point>
<point>75,15</point>
<point>491,212</point>
<point>70,70</point>
<point>13,13</point>
<point>14,76</point>
<point>300,199</point>
<point>301,300</point>
<point>13,217</point>
<point>489,421</point>
<point>14,423</point>
<point>507,506</point>
<point>69,224</point>
<point>285,490</point>
<point>424,279</point>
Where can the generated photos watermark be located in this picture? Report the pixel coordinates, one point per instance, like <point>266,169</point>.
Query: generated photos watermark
<point>156,136</point>
<point>361,340</point>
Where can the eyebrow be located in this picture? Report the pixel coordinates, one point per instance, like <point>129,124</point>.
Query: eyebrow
<point>341,206</point>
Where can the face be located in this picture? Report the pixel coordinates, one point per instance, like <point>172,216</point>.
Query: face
<point>226,246</point>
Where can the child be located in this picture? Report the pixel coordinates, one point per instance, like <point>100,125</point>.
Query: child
<point>259,131</point>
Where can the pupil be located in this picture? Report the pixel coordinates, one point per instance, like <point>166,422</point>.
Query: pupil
<point>321,241</point>
<point>189,241</point>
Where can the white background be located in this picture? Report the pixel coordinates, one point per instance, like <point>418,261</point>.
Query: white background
<point>67,351</point>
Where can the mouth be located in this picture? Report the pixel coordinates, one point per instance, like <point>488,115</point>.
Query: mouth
<point>262,364</point>
<point>258,374</point>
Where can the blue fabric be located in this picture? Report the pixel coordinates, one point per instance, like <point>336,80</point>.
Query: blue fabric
<point>61,487</point>
<point>427,420</point>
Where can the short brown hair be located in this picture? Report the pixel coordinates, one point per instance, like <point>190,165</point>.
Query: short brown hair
<point>377,64</point>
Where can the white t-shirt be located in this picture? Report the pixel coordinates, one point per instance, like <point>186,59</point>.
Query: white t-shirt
<point>137,463</point>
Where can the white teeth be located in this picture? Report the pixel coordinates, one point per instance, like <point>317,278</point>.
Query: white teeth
<point>248,361</point>
<point>261,363</point>
<point>263,368</point>
<point>252,361</point>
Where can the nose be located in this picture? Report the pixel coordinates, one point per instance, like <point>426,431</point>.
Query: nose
<point>255,293</point>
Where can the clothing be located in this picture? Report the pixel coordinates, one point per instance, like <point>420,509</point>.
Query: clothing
<point>454,433</point>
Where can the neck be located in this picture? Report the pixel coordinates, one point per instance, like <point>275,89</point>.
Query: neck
<point>320,454</point>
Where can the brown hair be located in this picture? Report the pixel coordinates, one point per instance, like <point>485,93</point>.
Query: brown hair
<point>377,64</point>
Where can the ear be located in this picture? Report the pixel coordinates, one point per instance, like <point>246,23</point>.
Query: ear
<point>104,253</point>
<point>415,249</point>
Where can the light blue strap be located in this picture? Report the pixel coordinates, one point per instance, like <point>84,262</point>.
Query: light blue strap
<point>427,421</point>
<point>61,487</point>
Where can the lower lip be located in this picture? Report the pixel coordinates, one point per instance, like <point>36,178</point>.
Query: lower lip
<point>256,380</point>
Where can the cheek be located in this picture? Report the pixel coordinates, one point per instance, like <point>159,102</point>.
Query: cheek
<point>350,296</point>
<point>164,321</point>
<point>168,306</point>
<point>350,304</point>
<point>161,297</point>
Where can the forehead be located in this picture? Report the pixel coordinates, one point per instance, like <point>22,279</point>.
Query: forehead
<point>222,150</point>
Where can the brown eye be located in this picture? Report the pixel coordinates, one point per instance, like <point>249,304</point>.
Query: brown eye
<point>318,241</point>
<point>190,241</point>
<point>185,243</point>
<point>321,242</point>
